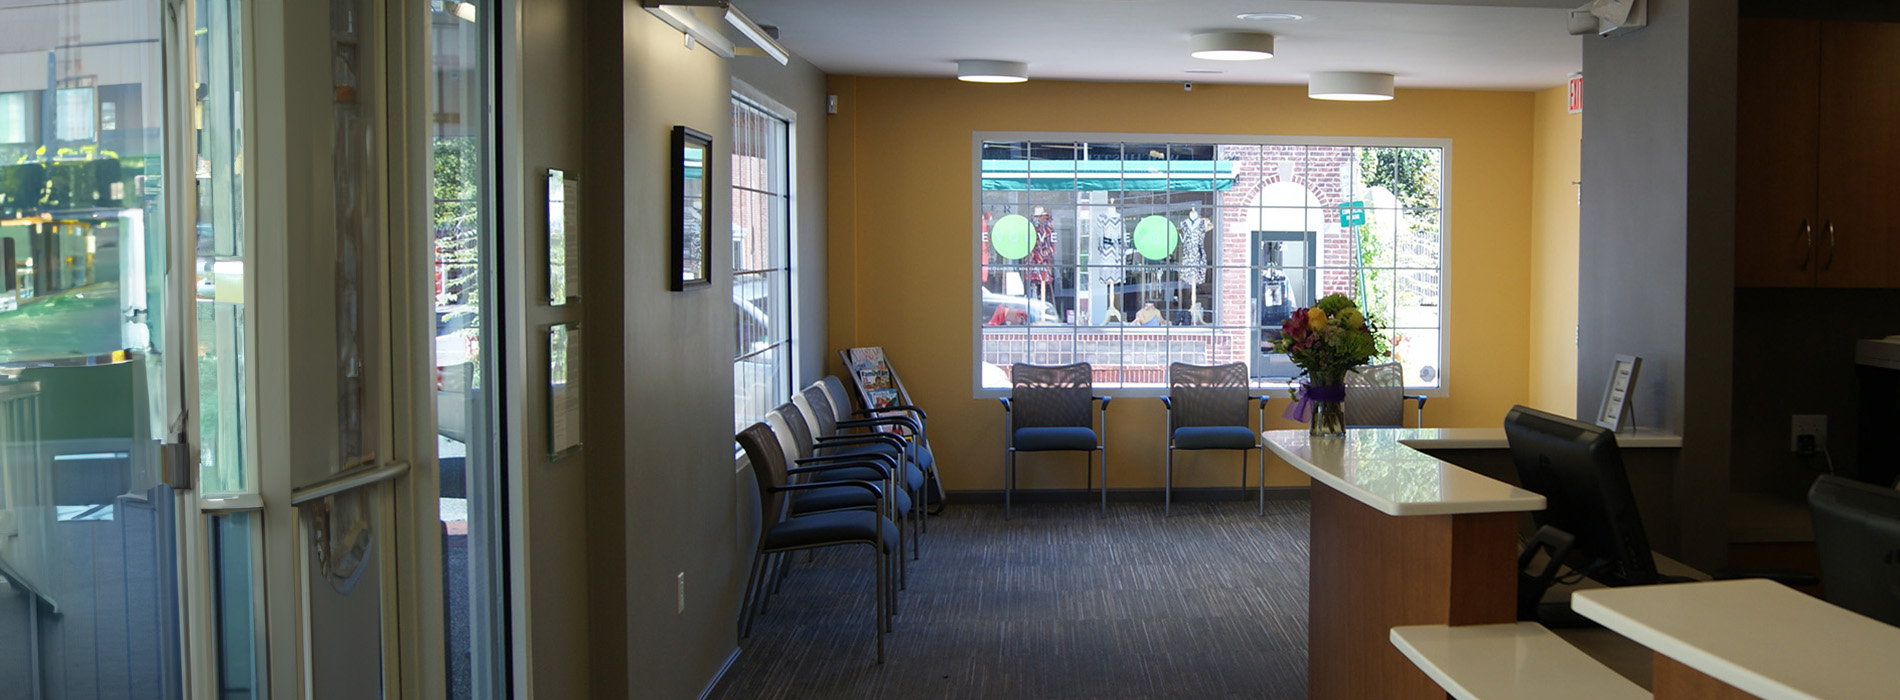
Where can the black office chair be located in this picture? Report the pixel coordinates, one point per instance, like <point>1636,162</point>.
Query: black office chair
<point>1207,410</point>
<point>1048,410</point>
<point>1857,533</point>
<point>1375,397</point>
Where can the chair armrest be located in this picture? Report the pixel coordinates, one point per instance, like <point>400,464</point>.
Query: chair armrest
<point>1005,401</point>
<point>1263,399</point>
<point>872,487</point>
<point>1167,402</point>
<point>859,439</point>
<point>900,421</point>
<point>818,464</point>
<point>904,407</point>
<point>1104,400</point>
<point>1420,399</point>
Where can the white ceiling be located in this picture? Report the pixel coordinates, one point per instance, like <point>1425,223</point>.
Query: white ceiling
<point>1496,44</point>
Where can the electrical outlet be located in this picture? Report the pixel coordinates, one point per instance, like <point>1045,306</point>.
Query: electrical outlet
<point>1808,424</point>
<point>681,607</point>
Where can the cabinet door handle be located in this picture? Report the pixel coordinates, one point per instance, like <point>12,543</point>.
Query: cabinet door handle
<point>1829,263</point>
<point>1807,251</point>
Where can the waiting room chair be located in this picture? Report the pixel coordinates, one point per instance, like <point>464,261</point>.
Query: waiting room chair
<point>881,465</point>
<point>829,438</point>
<point>1048,410</point>
<point>1375,397</point>
<point>1857,534</point>
<point>779,533</point>
<point>1207,410</point>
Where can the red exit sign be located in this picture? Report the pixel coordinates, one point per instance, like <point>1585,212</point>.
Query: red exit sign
<point>1576,93</point>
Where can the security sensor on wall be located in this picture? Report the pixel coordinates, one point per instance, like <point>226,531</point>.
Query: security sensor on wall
<point>1609,17</point>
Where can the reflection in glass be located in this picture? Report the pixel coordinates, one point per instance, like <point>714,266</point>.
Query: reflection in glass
<point>87,531</point>
<point>761,369</point>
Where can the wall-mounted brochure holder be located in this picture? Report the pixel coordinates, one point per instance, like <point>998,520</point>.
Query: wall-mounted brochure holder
<point>564,389</point>
<point>564,238</point>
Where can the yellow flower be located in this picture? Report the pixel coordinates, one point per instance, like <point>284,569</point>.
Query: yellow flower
<point>1315,318</point>
<point>1352,318</point>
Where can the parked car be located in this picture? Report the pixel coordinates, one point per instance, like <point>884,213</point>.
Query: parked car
<point>1036,310</point>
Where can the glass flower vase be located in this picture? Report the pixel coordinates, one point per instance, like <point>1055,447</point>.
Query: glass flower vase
<point>1328,392</point>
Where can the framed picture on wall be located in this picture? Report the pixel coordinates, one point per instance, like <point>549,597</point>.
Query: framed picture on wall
<point>692,193</point>
<point>1616,395</point>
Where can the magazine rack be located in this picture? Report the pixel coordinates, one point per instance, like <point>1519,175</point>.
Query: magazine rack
<point>880,392</point>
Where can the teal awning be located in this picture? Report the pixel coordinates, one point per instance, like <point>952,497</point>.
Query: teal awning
<point>1108,175</point>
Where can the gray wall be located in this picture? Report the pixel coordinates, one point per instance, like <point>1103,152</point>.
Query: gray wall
<point>1656,275</point>
<point>662,496</point>
<point>554,91</point>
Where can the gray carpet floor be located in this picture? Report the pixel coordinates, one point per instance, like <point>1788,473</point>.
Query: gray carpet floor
<point>1055,603</point>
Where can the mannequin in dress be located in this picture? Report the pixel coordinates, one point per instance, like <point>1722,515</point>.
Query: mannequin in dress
<point>1193,267</point>
<point>1113,250</point>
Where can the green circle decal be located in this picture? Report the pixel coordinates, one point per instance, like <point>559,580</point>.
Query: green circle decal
<point>1010,237</point>
<point>1156,237</point>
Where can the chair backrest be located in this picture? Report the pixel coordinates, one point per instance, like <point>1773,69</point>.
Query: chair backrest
<point>871,372</point>
<point>1857,534</point>
<point>834,390</point>
<point>796,431</point>
<point>1207,395</point>
<point>1051,396</point>
<point>1375,395</point>
<point>766,455</point>
<point>825,417</point>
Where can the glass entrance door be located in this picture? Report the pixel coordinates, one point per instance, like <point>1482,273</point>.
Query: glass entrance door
<point>89,555</point>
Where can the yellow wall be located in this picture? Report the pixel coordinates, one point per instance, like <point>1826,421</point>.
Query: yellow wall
<point>901,244</point>
<point>1556,161</point>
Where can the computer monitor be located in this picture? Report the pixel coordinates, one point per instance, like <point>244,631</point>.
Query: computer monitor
<point>1577,469</point>
<point>1857,534</point>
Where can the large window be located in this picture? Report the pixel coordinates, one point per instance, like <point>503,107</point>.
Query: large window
<point>1130,255</point>
<point>761,261</point>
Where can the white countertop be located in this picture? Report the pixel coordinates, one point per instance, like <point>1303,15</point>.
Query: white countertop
<point>1493,439</point>
<point>1757,635</point>
<point>1510,660</point>
<point>1375,467</point>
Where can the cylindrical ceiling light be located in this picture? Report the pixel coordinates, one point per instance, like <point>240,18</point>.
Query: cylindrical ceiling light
<point>1350,86</point>
<point>1232,46</point>
<point>984,71</point>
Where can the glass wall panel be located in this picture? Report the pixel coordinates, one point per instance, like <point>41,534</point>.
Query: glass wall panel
<point>88,543</point>
<point>467,364</point>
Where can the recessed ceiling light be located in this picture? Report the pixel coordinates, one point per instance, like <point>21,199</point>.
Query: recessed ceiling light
<point>1204,70</point>
<point>984,71</point>
<point>1232,46</point>
<point>1269,16</point>
<point>1350,86</point>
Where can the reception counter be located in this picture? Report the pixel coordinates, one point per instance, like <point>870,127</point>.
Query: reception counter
<point>1398,538</point>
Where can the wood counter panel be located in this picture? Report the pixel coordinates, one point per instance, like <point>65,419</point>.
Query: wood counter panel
<point>1371,572</point>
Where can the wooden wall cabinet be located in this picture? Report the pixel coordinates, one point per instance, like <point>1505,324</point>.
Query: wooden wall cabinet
<point>1816,152</point>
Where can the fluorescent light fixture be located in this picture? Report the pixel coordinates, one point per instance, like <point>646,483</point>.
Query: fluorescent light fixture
<point>1269,16</point>
<point>1232,46</point>
<point>985,71</point>
<point>757,34</point>
<point>465,10</point>
<point>702,27</point>
<point>683,18</point>
<point>1350,86</point>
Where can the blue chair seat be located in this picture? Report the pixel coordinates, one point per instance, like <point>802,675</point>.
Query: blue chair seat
<point>843,497</point>
<point>1041,439</point>
<point>831,528</point>
<point>1214,437</point>
<point>913,477</point>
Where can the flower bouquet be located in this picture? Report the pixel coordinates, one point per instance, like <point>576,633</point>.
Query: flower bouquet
<point>1326,340</point>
